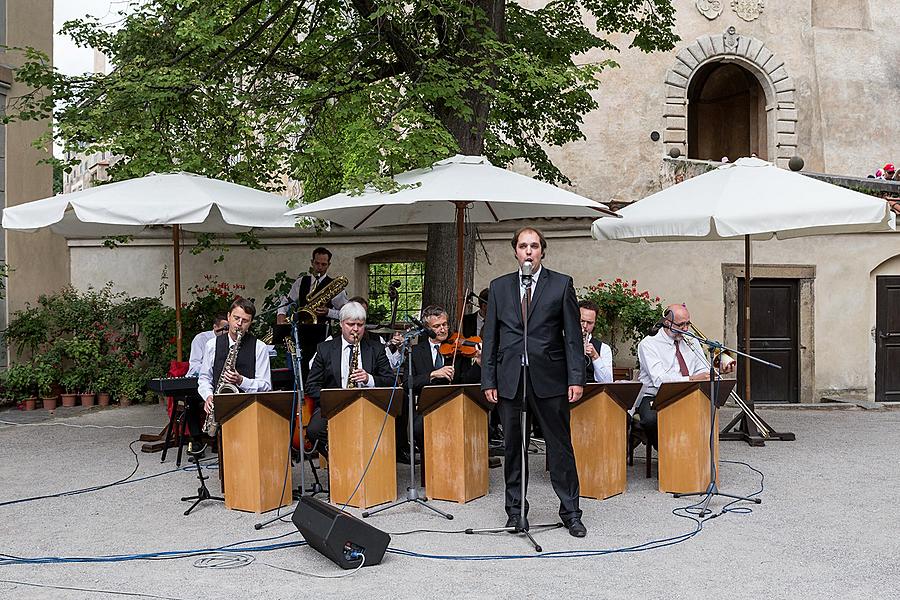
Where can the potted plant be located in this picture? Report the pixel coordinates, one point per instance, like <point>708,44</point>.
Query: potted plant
<point>44,375</point>
<point>20,384</point>
<point>69,381</point>
<point>104,380</point>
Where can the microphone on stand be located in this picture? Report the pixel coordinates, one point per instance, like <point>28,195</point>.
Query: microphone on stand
<point>422,328</point>
<point>527,267</point>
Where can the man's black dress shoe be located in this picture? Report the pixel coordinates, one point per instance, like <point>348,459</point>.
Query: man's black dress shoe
<point>513,521</point>
<point>576,528</point>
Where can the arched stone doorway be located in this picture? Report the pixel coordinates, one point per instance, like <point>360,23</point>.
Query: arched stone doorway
<point>726,113</point>
<point>706,70</point>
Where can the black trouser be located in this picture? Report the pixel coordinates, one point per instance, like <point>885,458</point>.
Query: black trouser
<point>648,419</point>
<point>553,415</point>
<point>195,415</point>
<point>317,431</point>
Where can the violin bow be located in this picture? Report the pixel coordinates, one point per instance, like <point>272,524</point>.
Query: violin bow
<point>462,313</point>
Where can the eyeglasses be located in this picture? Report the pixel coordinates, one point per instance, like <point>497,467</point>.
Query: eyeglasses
<point>682,325</point>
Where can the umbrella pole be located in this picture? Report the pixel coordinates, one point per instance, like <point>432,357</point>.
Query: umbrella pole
<point>176,244</point>
<point>460,253</point>
<point>746,427</point>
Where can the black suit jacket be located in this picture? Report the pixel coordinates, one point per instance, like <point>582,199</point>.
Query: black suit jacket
<point>555,344</point>
<point>470,324</point>
<point>326,368</point>
<point>423,365</point>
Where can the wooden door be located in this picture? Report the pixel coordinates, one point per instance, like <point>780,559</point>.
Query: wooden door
<point>887,339</point>
<point>774,336</point>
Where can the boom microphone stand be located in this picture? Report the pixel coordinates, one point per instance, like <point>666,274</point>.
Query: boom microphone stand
<point>522,526</point>
<point>412,490</point>
<point>716,350</point>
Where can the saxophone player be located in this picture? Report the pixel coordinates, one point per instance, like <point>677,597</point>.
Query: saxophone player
<point>597,355</point>
<point>332,368</point>
<point>311,335</point>
<point>252,372</point>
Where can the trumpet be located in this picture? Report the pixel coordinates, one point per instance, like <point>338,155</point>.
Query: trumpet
<point>763,430</point>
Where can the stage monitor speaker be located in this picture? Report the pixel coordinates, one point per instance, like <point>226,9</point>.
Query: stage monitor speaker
<point>338,535</point>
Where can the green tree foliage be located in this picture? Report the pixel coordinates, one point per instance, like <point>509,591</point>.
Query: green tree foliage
<point>338,94</point>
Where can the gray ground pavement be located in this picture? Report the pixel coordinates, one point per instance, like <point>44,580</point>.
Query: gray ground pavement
<point>827,526</point>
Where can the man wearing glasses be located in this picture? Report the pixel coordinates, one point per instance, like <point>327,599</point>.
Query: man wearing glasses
<point>667,357</point>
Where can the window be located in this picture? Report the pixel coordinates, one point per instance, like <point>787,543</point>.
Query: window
<point>411,276</point>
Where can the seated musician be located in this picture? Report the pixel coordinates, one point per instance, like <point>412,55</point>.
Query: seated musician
<point>198,344</point>
<point>473,323</point>
<point>430,367</point>
<point>391,346</point>
<point>251,372</point>
<point>331,367</point>
<point>597,355</point>
<point>667,357</point>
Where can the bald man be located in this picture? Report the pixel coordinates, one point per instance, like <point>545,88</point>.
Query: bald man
<point>667,357</point>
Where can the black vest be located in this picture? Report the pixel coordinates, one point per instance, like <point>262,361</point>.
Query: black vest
<point>306,284</point>
<point>246,358</point>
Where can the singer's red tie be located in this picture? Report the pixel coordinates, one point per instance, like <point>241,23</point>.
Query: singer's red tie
<point>681,364</point>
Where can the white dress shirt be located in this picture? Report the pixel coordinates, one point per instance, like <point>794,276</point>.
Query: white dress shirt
<point>294,293</point>
<point>346,351</point>
<point>659,364</point>
<point>534,281</point>
<point>603,372</point>
<point>198,345</point>
<point>261,383</point>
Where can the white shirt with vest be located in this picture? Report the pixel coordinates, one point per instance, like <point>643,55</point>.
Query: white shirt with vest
<point>294,293</point>
<point>261,383</point>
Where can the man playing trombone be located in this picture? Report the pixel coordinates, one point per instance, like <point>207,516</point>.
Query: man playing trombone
<point>667,357</point>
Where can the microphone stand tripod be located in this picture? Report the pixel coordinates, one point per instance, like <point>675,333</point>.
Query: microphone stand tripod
<point>412,490</point>
<point>522,526</point>
<point>716,350</point>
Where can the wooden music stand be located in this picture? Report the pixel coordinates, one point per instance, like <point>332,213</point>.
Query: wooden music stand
<point>684,428</point>
<point>254,449</point>
<point>456,444</point>
<point>354,422</point>
<point>600,439</point>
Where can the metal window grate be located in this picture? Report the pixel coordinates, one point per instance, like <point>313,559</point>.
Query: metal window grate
<point>411,276</point>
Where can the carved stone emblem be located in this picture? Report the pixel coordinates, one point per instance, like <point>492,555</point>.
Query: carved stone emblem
<point>748,10</point>
<point>730,40</point>
<point>710,8</point>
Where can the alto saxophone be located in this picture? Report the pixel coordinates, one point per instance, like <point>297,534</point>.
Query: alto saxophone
<point>354,363</point>
<point>223,387</point>
<point>319,299</point>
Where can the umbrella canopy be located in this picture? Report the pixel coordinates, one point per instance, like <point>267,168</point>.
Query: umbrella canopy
<point>178,200</point>
<point>749,199</point>
<point>457,189</point>
<point>490,194</point>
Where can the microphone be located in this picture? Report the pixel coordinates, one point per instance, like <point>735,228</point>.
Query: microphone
<point>423,328</point>
<point>527,266</point>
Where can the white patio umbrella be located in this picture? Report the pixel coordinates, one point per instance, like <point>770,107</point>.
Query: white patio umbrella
<point>749,199</point>
<point>445,192</point>
<point>182,201</point>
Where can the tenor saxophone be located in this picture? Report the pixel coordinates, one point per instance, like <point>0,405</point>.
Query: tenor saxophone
<point>223,387</point>
<point>354,362</point>
<point>319,299</point>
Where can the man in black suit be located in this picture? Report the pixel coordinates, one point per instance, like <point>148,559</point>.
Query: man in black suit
<point>555,372</point>
<point>331,367</point>
<point>473,323</point>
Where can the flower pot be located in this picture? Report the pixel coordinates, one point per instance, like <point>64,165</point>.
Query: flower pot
<point>103,399</point>
<point>69,400</point>
<point>29,403</point>
<point>87,399</point>
<point>124,401</point>
<point>49,403</point>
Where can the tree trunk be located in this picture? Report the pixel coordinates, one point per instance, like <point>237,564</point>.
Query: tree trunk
<point>441,260</point>
<point>440,270</point>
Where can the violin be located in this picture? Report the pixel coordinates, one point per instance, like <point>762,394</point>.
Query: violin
<point>466,346</point>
